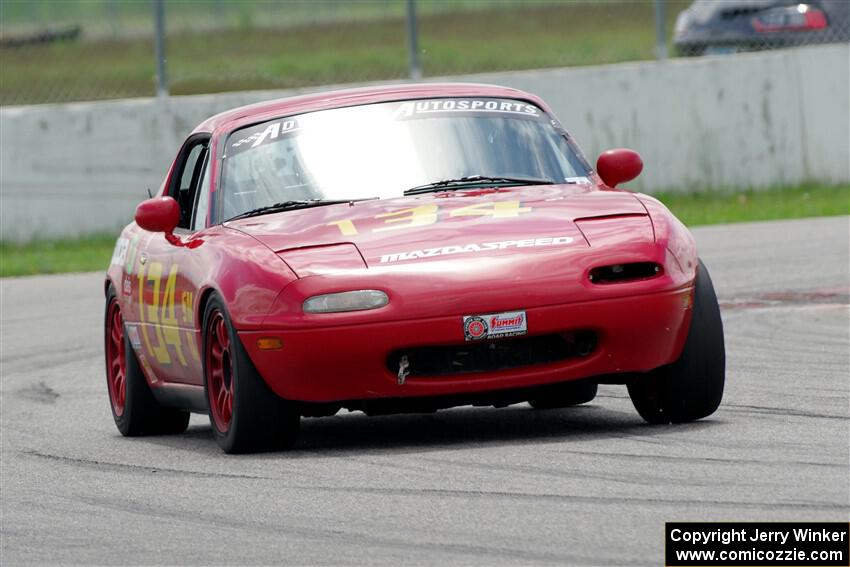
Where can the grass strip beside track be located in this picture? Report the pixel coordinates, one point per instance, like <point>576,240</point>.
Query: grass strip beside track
<point>502,36</point>
<point>92,253</point>
<point>729,206</point>
<point>84,254</point>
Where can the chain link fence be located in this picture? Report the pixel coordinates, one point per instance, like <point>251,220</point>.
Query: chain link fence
<point>69,50</point>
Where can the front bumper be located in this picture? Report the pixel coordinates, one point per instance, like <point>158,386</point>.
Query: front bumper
<point>349,362</point>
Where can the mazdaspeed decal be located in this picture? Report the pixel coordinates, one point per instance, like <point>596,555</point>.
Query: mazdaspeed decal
<point>476,247</point>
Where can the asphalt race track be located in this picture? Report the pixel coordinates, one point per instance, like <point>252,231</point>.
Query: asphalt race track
<point>588,485</point>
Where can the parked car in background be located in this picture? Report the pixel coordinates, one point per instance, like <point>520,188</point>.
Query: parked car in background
<point>720,26</point>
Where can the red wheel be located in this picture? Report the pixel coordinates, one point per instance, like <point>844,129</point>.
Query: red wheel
<point>245,415</point>
<point>134,408</point>
<point>220,364</point>
<point>116,371</point>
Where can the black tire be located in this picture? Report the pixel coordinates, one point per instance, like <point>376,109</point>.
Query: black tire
<point>567,396</point>
<point>140,414</point>
<point>258,420</point>
<point>691,387</point>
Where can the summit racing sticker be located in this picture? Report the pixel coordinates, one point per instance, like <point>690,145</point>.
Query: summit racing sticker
<point>494,325</point>
<point>475,247</point>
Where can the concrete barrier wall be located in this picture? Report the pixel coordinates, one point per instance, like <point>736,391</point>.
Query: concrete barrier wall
<point>751,120</point>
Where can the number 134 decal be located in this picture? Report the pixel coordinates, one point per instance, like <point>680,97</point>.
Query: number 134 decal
<point>429,214</point>
<point>159,314</point>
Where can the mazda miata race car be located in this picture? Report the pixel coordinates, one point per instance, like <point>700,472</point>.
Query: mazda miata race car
<point>400,249</point>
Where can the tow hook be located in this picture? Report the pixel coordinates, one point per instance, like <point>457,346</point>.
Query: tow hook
<point>403,370</point>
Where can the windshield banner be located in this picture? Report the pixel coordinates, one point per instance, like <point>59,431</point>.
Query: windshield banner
<point>260,134</point>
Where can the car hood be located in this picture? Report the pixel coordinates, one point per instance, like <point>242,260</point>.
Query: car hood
<point>435,226</point>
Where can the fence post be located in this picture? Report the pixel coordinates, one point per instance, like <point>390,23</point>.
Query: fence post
<point>660,30</point>
<point>112,16</point>
<point>413,42</point>
<point>159,48</point>
<point>218,10</point>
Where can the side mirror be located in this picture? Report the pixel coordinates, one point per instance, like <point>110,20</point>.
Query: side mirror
<point>160,214</point>
<point>618,166</point>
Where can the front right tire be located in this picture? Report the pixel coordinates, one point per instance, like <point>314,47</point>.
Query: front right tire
<point>691,387</point>
<point>245,415</point>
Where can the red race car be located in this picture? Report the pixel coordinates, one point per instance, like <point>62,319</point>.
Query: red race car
<point>400,249</point>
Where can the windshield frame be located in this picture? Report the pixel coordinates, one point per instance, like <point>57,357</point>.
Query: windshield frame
<point>217,206</point>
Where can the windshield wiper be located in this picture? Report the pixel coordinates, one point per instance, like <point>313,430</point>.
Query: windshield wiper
<point>290,205</point>
<point>458,183</point>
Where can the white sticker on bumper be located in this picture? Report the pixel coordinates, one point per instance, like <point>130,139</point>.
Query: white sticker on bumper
<point>495,325</point>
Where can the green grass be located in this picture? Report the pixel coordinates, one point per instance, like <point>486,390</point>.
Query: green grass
<point>719,207</point>
<point>85,254</point>
<point>498,37</point>
<point>714,207</point>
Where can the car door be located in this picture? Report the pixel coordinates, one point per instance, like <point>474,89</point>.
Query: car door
<point>169,271</point>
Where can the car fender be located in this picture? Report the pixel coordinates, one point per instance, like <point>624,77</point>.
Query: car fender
<point>671,233</point>
<point>245,273</point>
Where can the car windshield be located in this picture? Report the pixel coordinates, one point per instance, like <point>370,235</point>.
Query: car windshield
<point>382,150</point>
